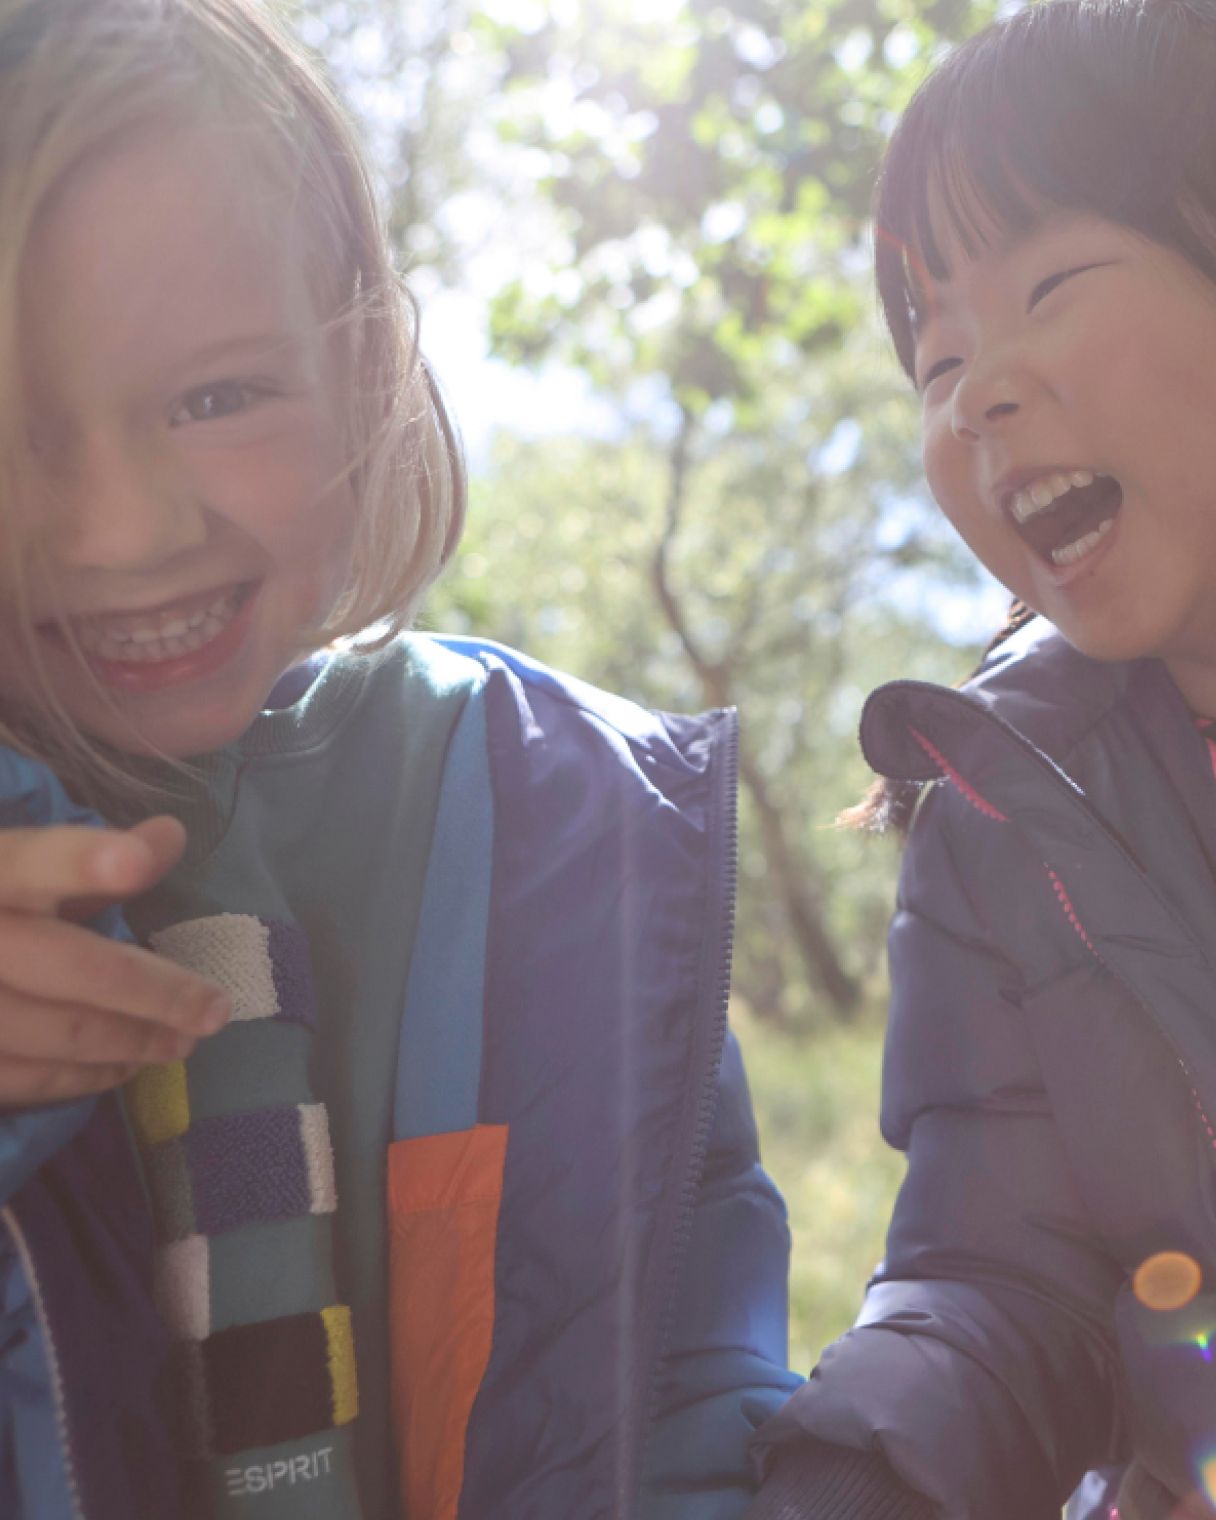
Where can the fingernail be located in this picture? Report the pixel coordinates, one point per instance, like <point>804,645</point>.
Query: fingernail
<point>216,1014</point>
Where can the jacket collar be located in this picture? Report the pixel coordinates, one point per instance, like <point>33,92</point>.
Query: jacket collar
<point>1101,773</point>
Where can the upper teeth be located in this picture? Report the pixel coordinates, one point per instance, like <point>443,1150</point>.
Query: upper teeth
<point>156,635</point>
<point>1040,493</point>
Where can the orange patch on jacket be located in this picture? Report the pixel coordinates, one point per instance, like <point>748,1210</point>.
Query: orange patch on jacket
<point>444,1193</point>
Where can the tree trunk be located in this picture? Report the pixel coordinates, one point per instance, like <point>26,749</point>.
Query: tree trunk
<point>799,893</point>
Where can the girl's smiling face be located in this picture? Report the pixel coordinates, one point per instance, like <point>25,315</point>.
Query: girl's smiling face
<point>186,515</point>
<point>1082,350</point>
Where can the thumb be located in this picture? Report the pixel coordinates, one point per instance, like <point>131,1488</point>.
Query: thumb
<point>163,841</point>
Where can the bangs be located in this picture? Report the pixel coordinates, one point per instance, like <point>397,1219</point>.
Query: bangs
<point>1067,106</point>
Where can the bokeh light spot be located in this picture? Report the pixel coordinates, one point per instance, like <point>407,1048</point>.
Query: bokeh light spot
<point>1207,1477</point>
<point>1168,1280</point>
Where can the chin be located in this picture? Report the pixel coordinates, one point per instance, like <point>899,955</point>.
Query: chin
<point>1111,644</point>
<point>164,741</point>
<point>192,722</point>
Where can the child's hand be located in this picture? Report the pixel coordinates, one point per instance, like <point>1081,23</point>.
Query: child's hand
<point>80,1012</point>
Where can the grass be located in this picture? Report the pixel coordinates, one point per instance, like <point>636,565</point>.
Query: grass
<point>817,1107</point>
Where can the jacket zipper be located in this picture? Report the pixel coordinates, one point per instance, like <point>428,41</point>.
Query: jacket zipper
<point>9,1218</point>
<point>710,1034</point>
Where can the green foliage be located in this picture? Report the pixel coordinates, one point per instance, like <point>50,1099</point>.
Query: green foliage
<point>710,166</point>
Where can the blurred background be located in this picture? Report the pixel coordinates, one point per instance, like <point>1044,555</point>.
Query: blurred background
<point>638,233</point>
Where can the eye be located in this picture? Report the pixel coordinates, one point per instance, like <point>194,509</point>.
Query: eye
<point>1045,287</point>
<point>942,367</point>
<point>209,403</point>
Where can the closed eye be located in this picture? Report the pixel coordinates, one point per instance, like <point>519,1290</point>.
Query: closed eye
<point>942,367</point>
<point>1045,287</point>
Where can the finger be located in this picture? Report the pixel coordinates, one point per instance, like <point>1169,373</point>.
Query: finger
<point>41,868</point>
<point>165,837</point>
<point>27,1083</point>
<point>40,1030</point>
<point>165,841</point>
<point>47,958</point>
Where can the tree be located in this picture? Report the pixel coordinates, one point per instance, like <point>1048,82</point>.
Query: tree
<point>709,168</point>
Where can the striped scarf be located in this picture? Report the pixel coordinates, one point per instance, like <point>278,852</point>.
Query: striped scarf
<point>240,1172</point>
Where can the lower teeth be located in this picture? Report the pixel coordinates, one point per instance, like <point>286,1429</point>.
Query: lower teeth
<point>1068,554</point>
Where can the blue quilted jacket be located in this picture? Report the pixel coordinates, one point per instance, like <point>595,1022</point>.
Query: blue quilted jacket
<point>599,924</point>
<point>1051,1073</point>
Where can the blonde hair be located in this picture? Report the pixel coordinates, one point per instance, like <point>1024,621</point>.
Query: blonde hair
<point>77,74</point>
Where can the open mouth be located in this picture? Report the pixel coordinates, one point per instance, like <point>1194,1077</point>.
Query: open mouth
<point>170,632</point>
<point>1065,517</point>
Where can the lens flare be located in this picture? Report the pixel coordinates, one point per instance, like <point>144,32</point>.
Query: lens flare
<point>1168,1280</point>
<point>1207,1477</point>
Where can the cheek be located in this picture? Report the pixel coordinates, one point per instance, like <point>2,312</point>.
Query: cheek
<point>946,469</point>
<point>289,497</point>
<point>950,473</point>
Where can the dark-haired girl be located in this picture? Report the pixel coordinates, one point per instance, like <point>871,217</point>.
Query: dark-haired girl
<point>1044,1324</point>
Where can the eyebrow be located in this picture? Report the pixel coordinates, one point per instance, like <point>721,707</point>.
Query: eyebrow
<point>238,345</point>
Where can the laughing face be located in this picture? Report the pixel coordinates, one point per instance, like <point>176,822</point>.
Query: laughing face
<point>1068,382</point>
<point>185,523</point>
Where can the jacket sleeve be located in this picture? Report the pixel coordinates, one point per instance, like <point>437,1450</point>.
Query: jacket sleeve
<point>981,1373</point>
<point>726,1365</point>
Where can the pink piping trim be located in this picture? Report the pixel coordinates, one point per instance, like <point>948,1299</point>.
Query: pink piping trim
<point>1066,903</point>
<point>947,770</point>
<point>1206,1122</point>
<point>1070,912</point>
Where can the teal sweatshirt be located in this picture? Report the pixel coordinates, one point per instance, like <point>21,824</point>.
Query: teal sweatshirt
<point>320,819</point>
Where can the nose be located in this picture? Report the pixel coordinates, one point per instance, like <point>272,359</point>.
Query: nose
<point>991,393</point>
<point>116,507</point>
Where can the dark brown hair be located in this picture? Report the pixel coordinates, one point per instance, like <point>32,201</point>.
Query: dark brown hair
<point>1104,107</point>
<point>1098,106</point>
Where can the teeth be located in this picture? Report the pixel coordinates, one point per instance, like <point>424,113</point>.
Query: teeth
<point>169,638</point>
<point>1069,554</point>
<point>1039,494</point>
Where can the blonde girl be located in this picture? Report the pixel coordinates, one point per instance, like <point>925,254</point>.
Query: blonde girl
<point>393,1159</point>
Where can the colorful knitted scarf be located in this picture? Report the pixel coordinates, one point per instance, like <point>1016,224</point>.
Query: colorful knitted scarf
<point>240,1171</point>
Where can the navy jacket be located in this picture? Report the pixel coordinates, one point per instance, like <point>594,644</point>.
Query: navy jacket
<point>640,1252</point>
<point>1051,1073</point>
